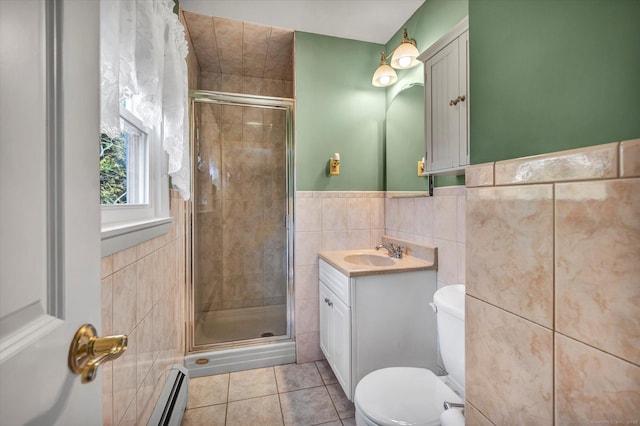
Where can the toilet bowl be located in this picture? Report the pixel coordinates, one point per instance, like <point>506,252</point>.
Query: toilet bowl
<point>415,396</point>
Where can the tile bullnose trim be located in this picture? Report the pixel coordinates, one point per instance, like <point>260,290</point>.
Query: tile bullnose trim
<point>630,158</point>
<point>479,175</point>
<point>587,163</point>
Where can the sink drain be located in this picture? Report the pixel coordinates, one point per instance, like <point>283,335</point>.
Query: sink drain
<point>267,334</point>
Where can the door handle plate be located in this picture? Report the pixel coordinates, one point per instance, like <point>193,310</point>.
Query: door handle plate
<point>87,351</point>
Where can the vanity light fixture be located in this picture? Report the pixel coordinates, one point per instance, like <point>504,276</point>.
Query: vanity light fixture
<point>404,56</point>
<point>384,75</point>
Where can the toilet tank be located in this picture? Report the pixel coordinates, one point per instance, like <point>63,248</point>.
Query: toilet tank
<point>449,301</point>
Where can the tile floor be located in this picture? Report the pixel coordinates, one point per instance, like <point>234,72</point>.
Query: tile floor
<point>292,394</point>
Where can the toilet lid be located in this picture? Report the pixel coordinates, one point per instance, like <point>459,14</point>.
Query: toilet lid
<point>403,396</point>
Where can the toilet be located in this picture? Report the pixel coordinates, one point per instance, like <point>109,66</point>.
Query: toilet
<point>415,396</point>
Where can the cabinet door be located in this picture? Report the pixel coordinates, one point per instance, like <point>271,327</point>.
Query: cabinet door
<point>326,323</point>
<point>442,118</point>
<point>342,345</point>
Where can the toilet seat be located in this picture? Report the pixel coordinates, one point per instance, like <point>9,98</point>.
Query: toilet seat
<point>402,396</point>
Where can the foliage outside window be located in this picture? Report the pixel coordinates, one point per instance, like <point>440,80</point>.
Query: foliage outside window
<point>124,164</point>
<point>113,170</point>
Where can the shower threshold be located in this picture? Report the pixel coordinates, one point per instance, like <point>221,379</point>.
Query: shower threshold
<point>240,358</point>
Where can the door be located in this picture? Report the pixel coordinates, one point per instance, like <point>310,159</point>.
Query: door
<point>49,212</point>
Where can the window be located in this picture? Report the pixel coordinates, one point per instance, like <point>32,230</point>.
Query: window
<point>143,70</point>
<point>124,164</point>
<point>133,184</point>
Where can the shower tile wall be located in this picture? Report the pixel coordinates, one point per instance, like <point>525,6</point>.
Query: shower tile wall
<point>241,169</point>
<point>240,206</point>
<point>240,57</point>
<point>143,292</point>
<point>553,297</point>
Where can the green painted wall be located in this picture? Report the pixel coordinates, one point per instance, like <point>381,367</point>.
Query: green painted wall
<point>338,110</point>
<point>404,127</point>
<point>552,75</point>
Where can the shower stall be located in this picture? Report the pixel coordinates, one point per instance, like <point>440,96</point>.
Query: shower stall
<point>241,292</point>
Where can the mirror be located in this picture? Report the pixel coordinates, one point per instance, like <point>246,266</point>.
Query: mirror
<point>405,140</point>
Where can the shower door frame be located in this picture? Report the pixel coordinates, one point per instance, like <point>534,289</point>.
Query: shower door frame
<point>236,99</point>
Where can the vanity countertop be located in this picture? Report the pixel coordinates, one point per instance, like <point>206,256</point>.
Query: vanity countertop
<point>406,264</point>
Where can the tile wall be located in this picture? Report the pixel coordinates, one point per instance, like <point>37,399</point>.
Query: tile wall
<point>553,288</point>
<point>327,221</point>
<point>143,296</point>
<point>240,203</point>
<point>143,292</point>
<point>241,161</point>
<point>240,57</point>
<point>437,220</point>
<point>357,220</point>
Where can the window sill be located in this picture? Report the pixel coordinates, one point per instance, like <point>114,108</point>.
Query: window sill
<point>120,236</point>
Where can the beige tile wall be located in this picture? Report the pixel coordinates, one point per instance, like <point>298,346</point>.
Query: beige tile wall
<point>355,220</point>
<point>553,294</point>
<point>437,220</point>
<point>327,221</point>
<point>238,147</point>
<point>240,57</point>
<point>240,199</point>
<point>143,293</point>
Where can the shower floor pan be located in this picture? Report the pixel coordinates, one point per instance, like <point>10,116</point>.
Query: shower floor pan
<point>233,325</point>
<point>238,333</point>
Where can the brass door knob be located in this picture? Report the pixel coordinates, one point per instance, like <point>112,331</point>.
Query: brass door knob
<point>87,351</point>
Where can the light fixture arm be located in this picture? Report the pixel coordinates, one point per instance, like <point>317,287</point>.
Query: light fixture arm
<point>406,39</point>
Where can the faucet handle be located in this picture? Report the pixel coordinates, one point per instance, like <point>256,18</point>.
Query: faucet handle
<point>398,250</point>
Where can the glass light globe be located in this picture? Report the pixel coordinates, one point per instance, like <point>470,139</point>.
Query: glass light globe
<point>404,62</point>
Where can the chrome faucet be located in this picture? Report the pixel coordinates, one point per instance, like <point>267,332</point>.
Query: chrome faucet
<point>394,251</point>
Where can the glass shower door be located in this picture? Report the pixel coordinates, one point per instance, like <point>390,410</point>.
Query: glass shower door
<point>240,234</point>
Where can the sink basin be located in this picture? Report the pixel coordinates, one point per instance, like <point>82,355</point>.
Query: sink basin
<point>369,260</point>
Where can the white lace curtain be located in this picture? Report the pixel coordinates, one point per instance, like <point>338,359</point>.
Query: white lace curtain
<point>142,55</point>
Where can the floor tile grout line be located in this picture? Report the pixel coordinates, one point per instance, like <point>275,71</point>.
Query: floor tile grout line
<point>281,409</point>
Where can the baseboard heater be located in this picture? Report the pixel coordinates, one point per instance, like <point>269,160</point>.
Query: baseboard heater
<point>173,400</point>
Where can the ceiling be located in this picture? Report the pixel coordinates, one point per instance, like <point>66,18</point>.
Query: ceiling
<point>375,21</point>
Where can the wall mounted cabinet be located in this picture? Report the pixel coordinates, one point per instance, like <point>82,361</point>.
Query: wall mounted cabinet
<point>376,321</point>
<point>446,82</point>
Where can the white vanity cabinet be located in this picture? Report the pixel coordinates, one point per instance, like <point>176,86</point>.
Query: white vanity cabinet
<point>376,321</point>
<point>446,83</point>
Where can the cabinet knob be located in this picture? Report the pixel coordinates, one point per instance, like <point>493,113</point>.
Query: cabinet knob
<point>455,101</point>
